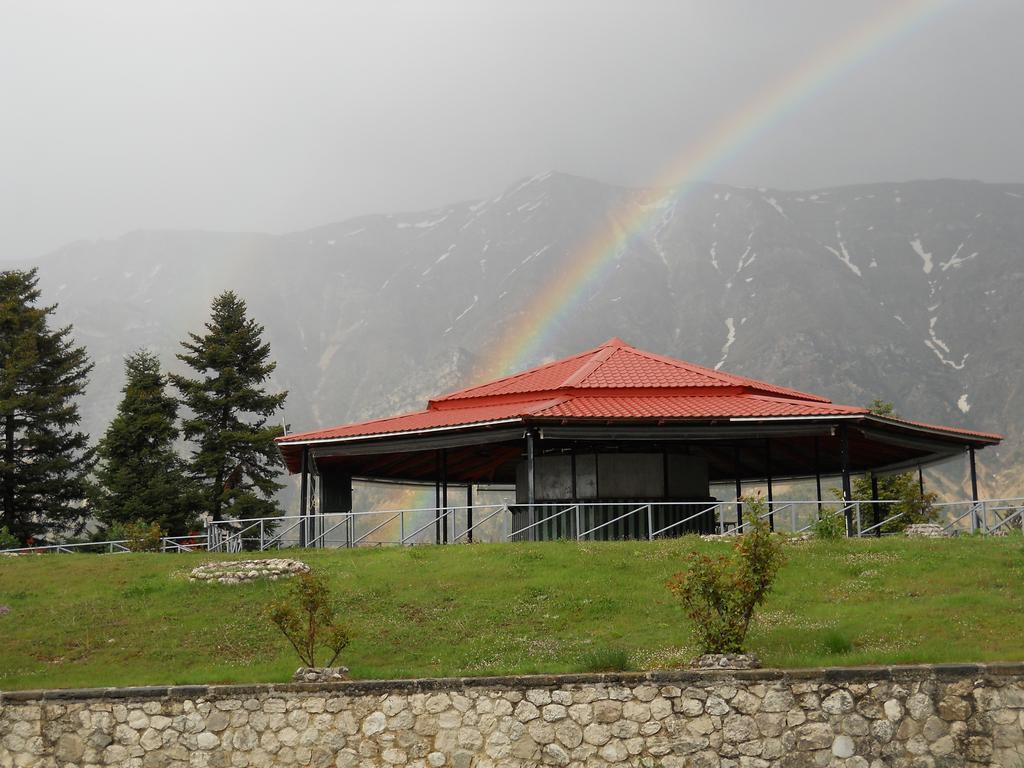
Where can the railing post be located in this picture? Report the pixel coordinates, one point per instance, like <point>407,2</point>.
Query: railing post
<point>579,526</point>
<point>401,528</point>
<point>650,523</point>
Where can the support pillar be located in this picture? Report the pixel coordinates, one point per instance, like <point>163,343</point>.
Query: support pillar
<point>303,495</point>
<point>739,489</point>
<point>875,505</point>
<point>437,497</point>
<point>844,465</point>
<point>974,475</point>
<point>920,479</point>
<point>444,495</point>
<point>530,486</point>
<point>768,479</point>
<point>974,488</point>
<point>469,512</point>
<point>817,471</point>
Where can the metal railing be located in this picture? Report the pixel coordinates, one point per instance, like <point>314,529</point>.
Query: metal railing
<point>189,543</point>
<point>577,520</point>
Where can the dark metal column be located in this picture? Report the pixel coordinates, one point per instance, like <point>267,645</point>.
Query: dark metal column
<point>920,479</point>
<point>844,465</point>
<point>444,495</point>
<point>739,489</point>
<point>469,512</point>
<point>974,475</point>
<point>530,485</point>
<point>817,471</point>
<point>875,505</point>
<point>303,495</point>
<point>437,497</point>
<point>768,479</point>
<point>974,489</point>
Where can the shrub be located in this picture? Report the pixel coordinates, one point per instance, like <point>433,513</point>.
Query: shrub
<point>306,618</point>
<point>7,540</point>
<point>830,525</point>
<point>719,594</point>
<point>138,535</point>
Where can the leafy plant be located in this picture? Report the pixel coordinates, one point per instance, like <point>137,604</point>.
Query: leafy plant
<point>138,535</point>
<point>830,525</point>
<point>913,505</point>
<point>720,594</point>
<point>307,619</point>
<point>7,541</point>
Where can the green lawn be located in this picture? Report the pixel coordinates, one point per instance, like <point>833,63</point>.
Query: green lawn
<point>91,620</point>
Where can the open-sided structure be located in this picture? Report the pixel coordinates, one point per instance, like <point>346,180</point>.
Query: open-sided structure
<point>608,428</point>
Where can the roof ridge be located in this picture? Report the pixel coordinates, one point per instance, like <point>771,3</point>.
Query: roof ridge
<point>600,356</point>
<point>463,393</point>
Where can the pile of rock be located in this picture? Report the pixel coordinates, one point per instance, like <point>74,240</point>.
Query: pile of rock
<point>926,531</point>
<point>320,674</point>
<point>726,661</point>
<point>239,571</point>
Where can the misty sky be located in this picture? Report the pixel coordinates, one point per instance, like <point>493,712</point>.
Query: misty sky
<point>274,116</point>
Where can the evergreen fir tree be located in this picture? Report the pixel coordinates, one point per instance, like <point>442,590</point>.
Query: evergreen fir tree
<point>235,458</point>
<point>140,476</point>
<point>44,458</point>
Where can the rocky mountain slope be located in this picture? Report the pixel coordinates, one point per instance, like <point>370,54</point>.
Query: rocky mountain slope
<point>907,292</point>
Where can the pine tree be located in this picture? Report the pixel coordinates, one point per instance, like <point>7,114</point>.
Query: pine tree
<point>44,458</point>
<point>140,476</point>
<point>235,458</point>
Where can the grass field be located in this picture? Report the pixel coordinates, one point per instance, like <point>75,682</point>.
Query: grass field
<point>89,620</point>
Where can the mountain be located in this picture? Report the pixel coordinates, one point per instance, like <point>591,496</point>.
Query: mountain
<point>905,292</point>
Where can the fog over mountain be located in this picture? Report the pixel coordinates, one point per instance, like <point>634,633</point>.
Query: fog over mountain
<point>907,292</point>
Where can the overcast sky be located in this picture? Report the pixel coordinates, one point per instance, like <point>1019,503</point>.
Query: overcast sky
<point>274,116</point>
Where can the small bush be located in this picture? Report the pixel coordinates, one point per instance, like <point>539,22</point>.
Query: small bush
<point>836,643</point>
<point>7,540</point>
<point>604,660</point>
<point>138,535</point>
<point>306,618</point>
<point>830,525</point>
<point>719,594</point>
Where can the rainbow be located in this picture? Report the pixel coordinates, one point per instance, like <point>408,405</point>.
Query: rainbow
<point>529,334</point>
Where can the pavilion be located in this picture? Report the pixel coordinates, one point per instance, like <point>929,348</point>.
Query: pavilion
<point>610,427</point>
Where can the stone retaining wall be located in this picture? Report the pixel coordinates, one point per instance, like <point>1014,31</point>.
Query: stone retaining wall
<point>921,716</point>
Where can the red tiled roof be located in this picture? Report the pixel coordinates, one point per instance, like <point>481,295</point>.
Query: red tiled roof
<point>692,407</point>
<point>617,365</point>
<point>613,381</point>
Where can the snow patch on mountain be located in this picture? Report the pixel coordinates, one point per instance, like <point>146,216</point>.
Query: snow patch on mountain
<point>730,327</point>
<point>941,348</point>
<point>439,259</point>
<point>926,257</point>
<point>956,260</point>
<point>842,254</point>
<point>461,315</point>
